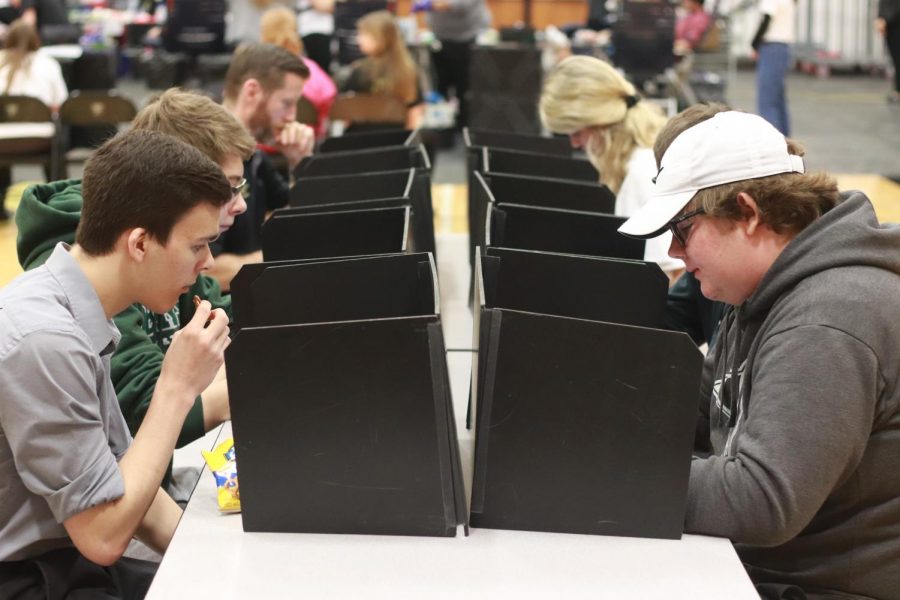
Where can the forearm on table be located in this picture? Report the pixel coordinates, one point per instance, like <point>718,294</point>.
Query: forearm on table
<point>102,533</point>
<point>159,523</point>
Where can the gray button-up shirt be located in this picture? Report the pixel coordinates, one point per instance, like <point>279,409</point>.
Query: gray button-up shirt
<point>61,430</point>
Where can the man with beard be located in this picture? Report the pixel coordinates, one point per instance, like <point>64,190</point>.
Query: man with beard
<point>262,87</point>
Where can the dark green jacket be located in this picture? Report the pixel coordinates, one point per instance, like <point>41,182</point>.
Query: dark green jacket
<point>48,214</point>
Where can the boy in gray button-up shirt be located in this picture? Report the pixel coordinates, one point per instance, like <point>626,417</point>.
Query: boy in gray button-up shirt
<point>75,487</point>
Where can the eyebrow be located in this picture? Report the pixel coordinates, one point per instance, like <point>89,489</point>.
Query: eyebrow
<point>207,239</point>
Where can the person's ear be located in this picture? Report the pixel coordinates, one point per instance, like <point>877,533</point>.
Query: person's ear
<point>137,241</point>
<point>251,89</point>
<point>751,218</point>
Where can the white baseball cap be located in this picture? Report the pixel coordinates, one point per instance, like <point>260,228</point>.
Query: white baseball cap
<point>731,146</point>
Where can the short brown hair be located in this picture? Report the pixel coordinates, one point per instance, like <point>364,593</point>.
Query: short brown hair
<point>265,63</point>
<point>788,202</point>
<point>144,179</point>
<point>198,121</point>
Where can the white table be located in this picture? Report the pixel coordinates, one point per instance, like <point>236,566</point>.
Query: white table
<point>211,556</point>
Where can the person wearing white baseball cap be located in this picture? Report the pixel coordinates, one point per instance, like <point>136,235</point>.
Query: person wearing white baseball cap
<point>801,395</point>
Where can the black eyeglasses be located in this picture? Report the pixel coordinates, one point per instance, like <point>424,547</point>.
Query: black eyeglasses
<point>681,229</point>
<point>237,189</point>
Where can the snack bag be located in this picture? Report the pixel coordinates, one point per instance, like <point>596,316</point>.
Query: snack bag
<point>224,468</point>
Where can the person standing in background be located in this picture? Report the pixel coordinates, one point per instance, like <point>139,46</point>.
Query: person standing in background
<point>315,22</point>
<point>456,24</point>
<point>244,18</point>
<point>772,51</point>
<point>888,25</point>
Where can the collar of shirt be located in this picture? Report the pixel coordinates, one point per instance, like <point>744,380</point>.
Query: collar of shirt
<point>83,300</point>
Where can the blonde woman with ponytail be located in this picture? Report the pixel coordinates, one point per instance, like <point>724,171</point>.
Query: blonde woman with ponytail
<point>601,112</point>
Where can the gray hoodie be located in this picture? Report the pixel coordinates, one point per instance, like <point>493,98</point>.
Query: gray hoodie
<point>805,472</point>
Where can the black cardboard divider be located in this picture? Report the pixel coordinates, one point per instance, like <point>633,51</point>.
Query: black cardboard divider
<point>346,427</point>
<point>558,230</point>
<point>334,189</point>
<point>241,300</point>
<point>340,190</point>
<point>569,194</point>
<point>374,287</point>
<point>371,139</point>
<point>557,146</point>
<point>583,426</point>
<point>487,188</point>
<point>338,233</point>
<point>514,162</point>
<point>389,158</point>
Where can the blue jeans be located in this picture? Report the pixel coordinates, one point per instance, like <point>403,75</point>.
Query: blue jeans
<point>772,64</point>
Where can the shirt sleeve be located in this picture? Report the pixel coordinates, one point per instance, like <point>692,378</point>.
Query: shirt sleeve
<point>52,419</point>
<point>803,432</point>
<point>135,368</point>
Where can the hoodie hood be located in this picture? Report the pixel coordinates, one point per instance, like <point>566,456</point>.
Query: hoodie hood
<point>847,235</point>
<point>48,214</point>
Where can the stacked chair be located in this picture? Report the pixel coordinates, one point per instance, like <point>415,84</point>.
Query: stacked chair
<point>338,382</point>
<point>583,407</point>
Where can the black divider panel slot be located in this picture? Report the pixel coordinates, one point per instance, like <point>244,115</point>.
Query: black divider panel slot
<point>552,193</point>
<point>600,289</point>
<point>556,230</point>
<point>557,146</point>
<point>540,165</point>
<point>370,139</point>
<point>241,305</point>
<point>360,161</point>
<point>345,233</point>
<point>309,209</point>
<point>335,189</point>
<point>347,290</point>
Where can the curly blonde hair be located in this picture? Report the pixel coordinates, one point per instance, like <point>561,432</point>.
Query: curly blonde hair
<point>582,92</point>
